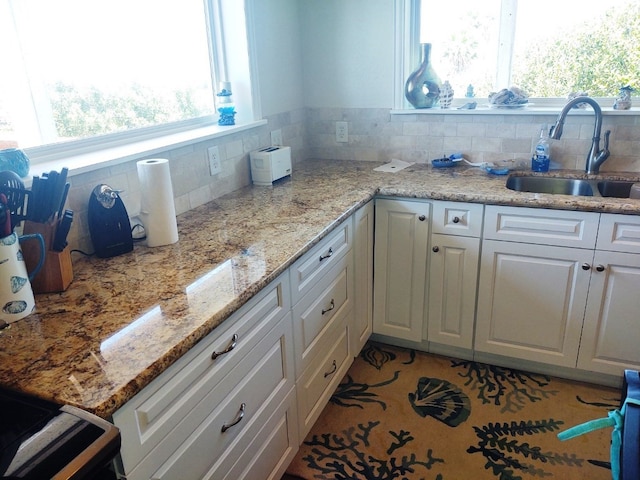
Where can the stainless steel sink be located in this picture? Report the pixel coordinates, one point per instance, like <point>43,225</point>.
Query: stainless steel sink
<point>615,188</point>
<point>558,185</point>
<point>570,186</point>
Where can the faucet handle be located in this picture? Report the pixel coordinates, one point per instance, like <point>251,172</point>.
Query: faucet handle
<point>606,139</point>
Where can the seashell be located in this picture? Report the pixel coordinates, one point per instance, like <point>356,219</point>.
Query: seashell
<point>15,306</point>
<point>441,400</point>
<point>509,96</point>
<point>17,283</point>
<point>446,95</point>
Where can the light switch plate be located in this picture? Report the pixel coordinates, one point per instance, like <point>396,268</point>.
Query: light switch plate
<point>276,138</point>
<point>214,160</point>
<point>342,132</point>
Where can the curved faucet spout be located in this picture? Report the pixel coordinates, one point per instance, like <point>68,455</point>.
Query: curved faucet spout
<point>595,157</point>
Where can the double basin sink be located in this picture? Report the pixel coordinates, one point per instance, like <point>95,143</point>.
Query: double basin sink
<point>570,186</point>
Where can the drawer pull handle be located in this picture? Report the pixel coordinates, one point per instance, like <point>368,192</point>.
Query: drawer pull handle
<point>226,427</point>
<point>586,266</point>
<point>333,370</point>
<point>456,219</point>
<point>422,218</point>
<point>600,268</point>
<point>436,249</point>
<point>329,253</point>
<point>234,339</point>
<point>332,305</point>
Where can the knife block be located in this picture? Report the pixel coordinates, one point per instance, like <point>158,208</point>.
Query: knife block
<point>57,271</point>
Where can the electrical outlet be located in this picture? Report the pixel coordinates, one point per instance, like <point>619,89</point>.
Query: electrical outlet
<point>342,132</point>
<point>276,138</point>
<point>214,160</point>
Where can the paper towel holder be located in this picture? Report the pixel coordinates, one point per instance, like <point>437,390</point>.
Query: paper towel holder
<point>109,224</point>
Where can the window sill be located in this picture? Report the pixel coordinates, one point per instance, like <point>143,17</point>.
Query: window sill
<point>530,110</point>
<point>101,158</point>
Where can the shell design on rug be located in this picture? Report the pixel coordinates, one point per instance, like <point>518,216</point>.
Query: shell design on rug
<point>441,400</point>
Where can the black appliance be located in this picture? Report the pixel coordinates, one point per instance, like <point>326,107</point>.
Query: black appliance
<point>42,440</point>
<point>109,224</point>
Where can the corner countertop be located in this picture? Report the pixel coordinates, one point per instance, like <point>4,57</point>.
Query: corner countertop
<point>124,320</point>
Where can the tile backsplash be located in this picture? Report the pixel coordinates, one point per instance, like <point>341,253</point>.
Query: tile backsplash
<point>374,135</point>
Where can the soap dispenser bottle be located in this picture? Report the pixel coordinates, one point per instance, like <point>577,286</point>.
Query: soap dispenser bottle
<point>540,159</point>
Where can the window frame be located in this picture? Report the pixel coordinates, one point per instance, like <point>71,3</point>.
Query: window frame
<point>104,150</point>
<point>407,56</point>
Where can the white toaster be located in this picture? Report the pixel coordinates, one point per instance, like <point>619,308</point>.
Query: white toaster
<point>270,164</point>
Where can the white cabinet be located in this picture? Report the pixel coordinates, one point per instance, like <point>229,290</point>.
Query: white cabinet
<point>533,288</point>
<point>242,372</point>
<point>323,317</point>
<point>400,265</point>
<point>531,301</point>
<point>363,274</point>
<point>611,337</point>
<point>453,273</point>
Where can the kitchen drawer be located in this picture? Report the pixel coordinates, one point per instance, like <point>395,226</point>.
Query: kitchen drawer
<point>266,454</point>
<point>619,233</point>
<point>454,218</point>
<point>308,269</point>
<point>563,228</point>
<point>318,382</point>
<point>259,383</point>
<point>152,414</point>
<point>328,304</point>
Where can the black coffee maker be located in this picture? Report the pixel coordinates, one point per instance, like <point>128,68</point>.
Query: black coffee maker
<point>109,224</point>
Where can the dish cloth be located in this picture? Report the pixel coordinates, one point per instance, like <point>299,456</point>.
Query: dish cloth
<point>393,166</point>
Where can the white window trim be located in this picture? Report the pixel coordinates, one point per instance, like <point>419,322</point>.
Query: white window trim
<point>95,153</point>
<point>407,57</point>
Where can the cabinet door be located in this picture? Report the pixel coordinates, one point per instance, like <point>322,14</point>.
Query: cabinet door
<point>611,338</point>
<point>453,272</point>
<point>400,265</point>
<point>363,268</point>
<point>531,301</point>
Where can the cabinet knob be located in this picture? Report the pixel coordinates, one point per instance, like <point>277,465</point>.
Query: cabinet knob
<point>586,266</point>
<point>600,268</point>
<point>456,219</point>
<point>436,249</point>
<point>422,218</point>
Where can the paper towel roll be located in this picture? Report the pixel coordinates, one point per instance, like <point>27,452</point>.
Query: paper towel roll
<point>157,210</point>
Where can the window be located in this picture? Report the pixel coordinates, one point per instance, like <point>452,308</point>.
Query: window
<point>546,47</point>
<point>91,73</point>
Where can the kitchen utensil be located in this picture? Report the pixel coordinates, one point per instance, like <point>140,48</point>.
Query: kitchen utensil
<point>48,195</point>
<point>109,224</point>
<point>62,230</point>
<point>13,187</point>
<point>16,295</point>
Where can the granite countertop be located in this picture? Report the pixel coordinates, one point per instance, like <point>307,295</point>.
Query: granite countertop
<point>125,319</point>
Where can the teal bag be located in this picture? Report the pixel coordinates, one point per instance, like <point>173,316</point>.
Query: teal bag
<point>616,419</point>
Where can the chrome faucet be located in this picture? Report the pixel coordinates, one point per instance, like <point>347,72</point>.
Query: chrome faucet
<point>595,157</point>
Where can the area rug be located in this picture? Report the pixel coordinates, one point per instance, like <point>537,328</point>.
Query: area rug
<point>404,414</point>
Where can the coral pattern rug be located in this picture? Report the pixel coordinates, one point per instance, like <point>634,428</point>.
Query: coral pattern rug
<point>404,414</point>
